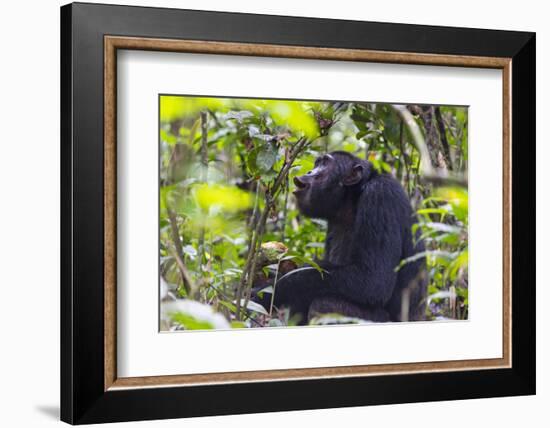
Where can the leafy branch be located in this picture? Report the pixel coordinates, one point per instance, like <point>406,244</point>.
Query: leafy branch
<point>271,194</point>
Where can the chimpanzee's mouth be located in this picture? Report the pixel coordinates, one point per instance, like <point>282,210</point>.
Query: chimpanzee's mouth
<point>301,186</point>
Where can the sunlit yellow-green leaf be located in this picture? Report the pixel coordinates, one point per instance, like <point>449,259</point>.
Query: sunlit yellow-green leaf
<point>178,107</point>
<point>237,324</point>
<point>227,199</point>
<point>458,198</point>
<point>297,115</point>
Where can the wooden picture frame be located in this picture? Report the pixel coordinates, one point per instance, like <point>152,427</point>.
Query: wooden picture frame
<point>90,389</point>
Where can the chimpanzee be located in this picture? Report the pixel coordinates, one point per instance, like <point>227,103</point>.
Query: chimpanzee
<point>369,232</point>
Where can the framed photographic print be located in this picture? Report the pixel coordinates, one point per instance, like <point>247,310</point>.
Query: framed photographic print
<point>265,213</point>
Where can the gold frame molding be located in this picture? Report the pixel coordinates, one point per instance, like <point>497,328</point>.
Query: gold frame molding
<point>113,43</point>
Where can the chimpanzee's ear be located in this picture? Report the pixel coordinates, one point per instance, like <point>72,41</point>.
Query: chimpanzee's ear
<point>354,176</point>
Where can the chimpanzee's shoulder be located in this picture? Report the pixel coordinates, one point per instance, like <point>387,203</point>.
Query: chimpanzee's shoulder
<point>384,189</point>
<point>382,181</point>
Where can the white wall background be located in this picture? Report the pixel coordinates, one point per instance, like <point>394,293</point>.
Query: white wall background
<point>29,214</point>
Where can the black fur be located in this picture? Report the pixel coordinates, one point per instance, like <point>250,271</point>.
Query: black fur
<point>369,233</point>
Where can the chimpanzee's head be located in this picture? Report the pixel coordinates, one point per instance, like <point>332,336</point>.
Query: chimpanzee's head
<point>336,179</point>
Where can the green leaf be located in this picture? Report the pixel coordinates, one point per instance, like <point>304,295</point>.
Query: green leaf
<point>251,162</point>
<point>228,305</point>
<point>305,260</point>
<point>440,295</point>
<point>264,137</point>
<point>461,262</point>
<point>190,251</point>
<point>315,245</point>
<point>266,157</point>
<point>435,254</point>
<point>442,227</point>
<point>238,115</point>
<point>256,307</point>
<point>441,211</point>
<point>275,322</point>
<point>168,138</point>
<point>268,289</point>
<point>189,322</point>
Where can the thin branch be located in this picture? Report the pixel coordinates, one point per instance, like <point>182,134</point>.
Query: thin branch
<point>204,144</point>
<point>274,286</point>
<point>404,155</point>
<point>427,171</point>
<point>178,253</point>
<point>445,180</point>
<point>443,138</point>
<point>425,164</point>
<point>254,215</point>
<point>204,175</point>
<point>285,211</point>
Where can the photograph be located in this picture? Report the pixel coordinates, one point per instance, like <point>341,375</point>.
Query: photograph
<point>285,213</point>
<point>280,210</point>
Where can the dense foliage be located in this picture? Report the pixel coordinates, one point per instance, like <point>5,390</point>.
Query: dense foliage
<point>228,218</point>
